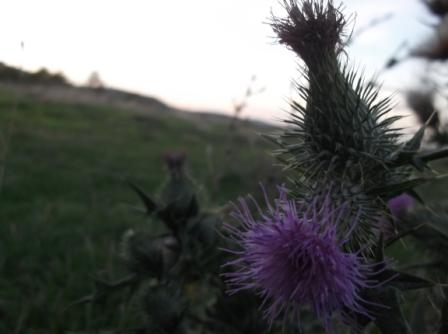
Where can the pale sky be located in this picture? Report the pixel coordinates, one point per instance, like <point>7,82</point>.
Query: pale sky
<point>195,54</point>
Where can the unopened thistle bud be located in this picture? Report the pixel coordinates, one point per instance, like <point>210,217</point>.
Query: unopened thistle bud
<point>339,130</point>
<point>340,135</point>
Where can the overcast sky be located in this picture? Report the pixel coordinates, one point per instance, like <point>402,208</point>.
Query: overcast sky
<point>197,54</point>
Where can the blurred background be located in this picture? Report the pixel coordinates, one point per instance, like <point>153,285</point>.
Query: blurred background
<point>196,55</point>
<point>97,94</point>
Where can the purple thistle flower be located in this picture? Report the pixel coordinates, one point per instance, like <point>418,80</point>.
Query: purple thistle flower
<point>291,256</point>
<point>400,205</point>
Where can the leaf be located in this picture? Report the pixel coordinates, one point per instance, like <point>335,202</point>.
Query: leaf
<point>439,226</point>
<point>395,189</point>
<point>418,163</point>
<point>390,318</point>
<point>379,249</point>
<point>403,234</point>
<point>407,154</point>
<point>434,155</point>
<point>383,304</point>
<point>150,205</point>
<point>193,208</point>
<point>102,289</point>
<point>418,326</point>
<point>444,317</point>
<point>413,145</point>
<point>404,281</point>
<point>166,215</point>
<point>416,196</point>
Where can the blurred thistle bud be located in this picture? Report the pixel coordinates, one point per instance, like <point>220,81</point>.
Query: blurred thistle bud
<point>437,7</point>
<point>204,231</point>
<point>422,103</point>
<point>148,255</point>
<point>435,47</point>
<point>175,162</point>
<point>201,242</point>
<point>178,194</point>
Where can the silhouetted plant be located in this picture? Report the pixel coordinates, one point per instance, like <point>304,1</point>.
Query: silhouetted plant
<point>174,276</point>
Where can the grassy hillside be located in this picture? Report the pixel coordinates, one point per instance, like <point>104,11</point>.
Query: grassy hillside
<point>64,204</point>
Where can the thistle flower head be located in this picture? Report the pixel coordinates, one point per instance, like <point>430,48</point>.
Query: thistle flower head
<point>292,257</point>
<point>312,29</point>
<point>398,207</point>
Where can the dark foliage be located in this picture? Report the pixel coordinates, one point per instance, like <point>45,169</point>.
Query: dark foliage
<point>174,276</point>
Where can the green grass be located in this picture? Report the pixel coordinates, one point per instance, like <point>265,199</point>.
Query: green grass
<point>64,204</point>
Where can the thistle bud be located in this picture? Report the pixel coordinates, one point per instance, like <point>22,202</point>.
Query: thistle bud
<point>339,131</point>
<point>340,135</point>
<point>178,194</point>
<point>175,162</point>
<point>147,255</point>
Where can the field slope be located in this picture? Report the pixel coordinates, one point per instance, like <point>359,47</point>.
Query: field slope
<point>64,203</point>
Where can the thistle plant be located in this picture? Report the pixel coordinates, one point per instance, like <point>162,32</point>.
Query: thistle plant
<point>323,247</point>
<point>173,267</point>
